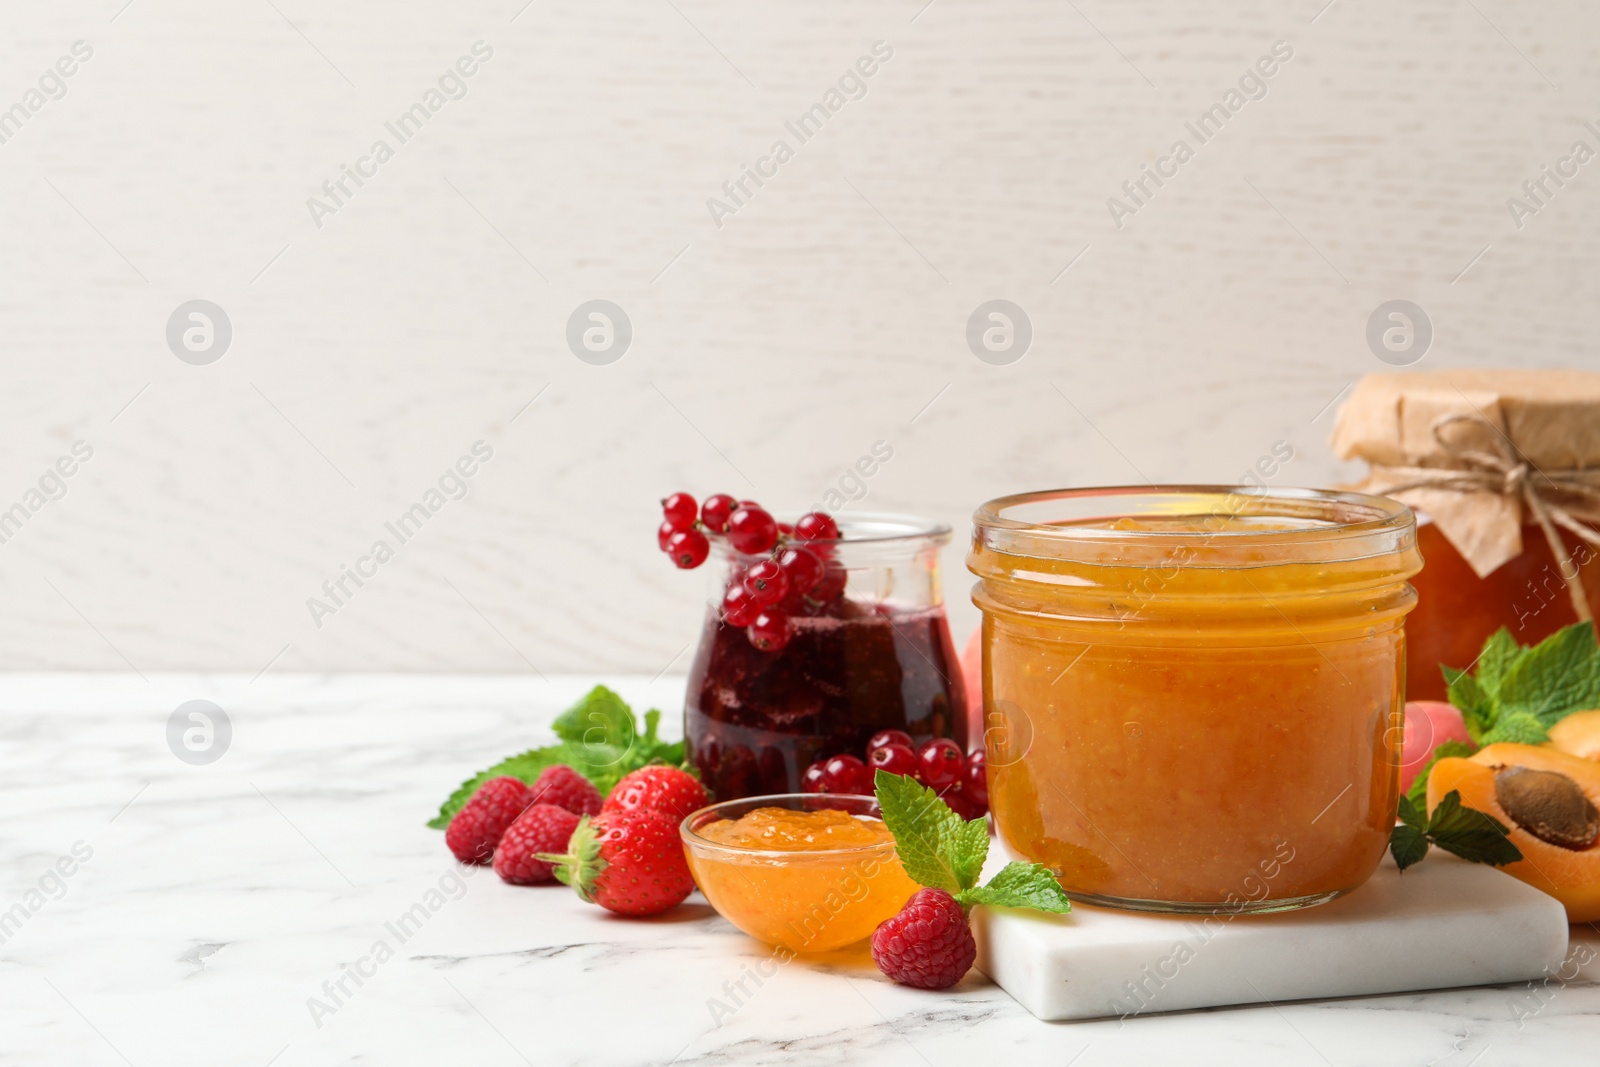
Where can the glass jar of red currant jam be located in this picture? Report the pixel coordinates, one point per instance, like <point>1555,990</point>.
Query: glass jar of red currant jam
<point>868,649</point>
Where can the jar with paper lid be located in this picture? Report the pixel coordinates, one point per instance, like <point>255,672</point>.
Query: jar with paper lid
<point>1502,468</point>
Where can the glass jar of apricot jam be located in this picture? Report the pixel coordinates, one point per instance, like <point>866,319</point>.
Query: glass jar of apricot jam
<point>868,650</point>
<point>1193,695</point>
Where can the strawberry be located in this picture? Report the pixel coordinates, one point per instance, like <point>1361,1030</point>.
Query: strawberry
<point>928,944</point>
<point>630,862</point>
<point>476,828</point>
<point>542,828</point>
<point>566,788</point>
<point>668,790</point>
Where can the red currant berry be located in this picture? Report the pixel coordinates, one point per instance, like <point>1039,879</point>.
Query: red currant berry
<point>688,548</point>
<point>890,737</point>
<point>816,526</point>
<point>831,585</point>
<point>715,509</point>
<point>664,534</point>
<point>894,758</point>
<point>976,783</point>
<point>766,582</point>
<point>769,631</point>
<point>811,780</point>
<point>803,569</point>
<point>739,608</point>
<point>751,530</point>
<point>940,763</point>
<point>962,804</point>
<point>846,774</point>
<point>680,509</point>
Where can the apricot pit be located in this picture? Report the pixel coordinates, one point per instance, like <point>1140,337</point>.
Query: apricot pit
<point>1549,805</point>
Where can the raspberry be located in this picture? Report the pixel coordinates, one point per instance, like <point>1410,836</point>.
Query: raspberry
<point>476,828</point>
<point>542,828</point>
<point>928,944</point>
<point>566,788</point>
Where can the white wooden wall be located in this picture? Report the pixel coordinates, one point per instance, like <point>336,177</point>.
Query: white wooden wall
<point>827,313</point>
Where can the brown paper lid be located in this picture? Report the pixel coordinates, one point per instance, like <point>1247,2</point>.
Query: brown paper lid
<point>1552,417</point>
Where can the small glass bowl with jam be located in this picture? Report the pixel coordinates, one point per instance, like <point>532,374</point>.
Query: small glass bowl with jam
<point>802,872</point>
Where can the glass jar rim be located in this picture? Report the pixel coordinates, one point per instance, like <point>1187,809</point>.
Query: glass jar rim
<point>873,527</point>
<point>1359,512</point>
<point>1323,514</point>
<point>792,801</point>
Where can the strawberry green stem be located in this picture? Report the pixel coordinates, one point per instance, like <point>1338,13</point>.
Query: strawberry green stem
<point>581,864</point>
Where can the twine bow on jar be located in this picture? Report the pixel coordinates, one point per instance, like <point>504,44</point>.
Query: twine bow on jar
<point>1567,498</point>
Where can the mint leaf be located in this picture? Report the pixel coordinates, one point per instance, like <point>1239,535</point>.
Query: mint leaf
<point>940,850</point>
<point>1519,693</point>
<point>1517,725</point>
<point>599,741</point>
<point>1500,653</point>
<point>1559,675</point>
<point>1408,845</point>
<point>600,718</point>
<point>1477,711</point>
<point>969,847</point>
<point>926,832</point>
<point>1020,885</point>
<point>1413,814</point>
<point>1467,832</point>
<point>1471,834</point>
<point>1418,793</point>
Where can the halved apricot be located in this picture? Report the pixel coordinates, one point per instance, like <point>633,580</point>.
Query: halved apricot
<point>1578,734</point>
<point>1571,875</point>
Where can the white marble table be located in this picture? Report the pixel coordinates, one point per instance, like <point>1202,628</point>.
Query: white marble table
<point>217,900</point>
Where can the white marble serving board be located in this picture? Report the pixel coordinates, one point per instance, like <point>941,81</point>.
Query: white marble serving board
<point>1443,923</point>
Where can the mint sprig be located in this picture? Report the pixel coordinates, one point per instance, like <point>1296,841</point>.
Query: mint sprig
<point>1471,834</point>
<point>599,738</point>
<point>940,850</point>
<point>1518,693</point>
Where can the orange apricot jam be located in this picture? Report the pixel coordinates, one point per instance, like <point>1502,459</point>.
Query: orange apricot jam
<point>803,880</point>
<point>1193,696</point>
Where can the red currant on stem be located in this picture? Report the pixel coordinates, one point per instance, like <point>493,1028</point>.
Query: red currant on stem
<point>715,509</point>
<point>739,608</point>
<point>889,737</point>
<point>816,526</point>
<point>846,774</point>
<point>751,530</point>
<point>680,509</point>
<point>766,582</point>
<point>664,534</point>
<point>769,631</point>
<point>801,567</point>
<point>688,548</point>
<point>831,585</point>
<point>940,763</point>
<point>893,757</point>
